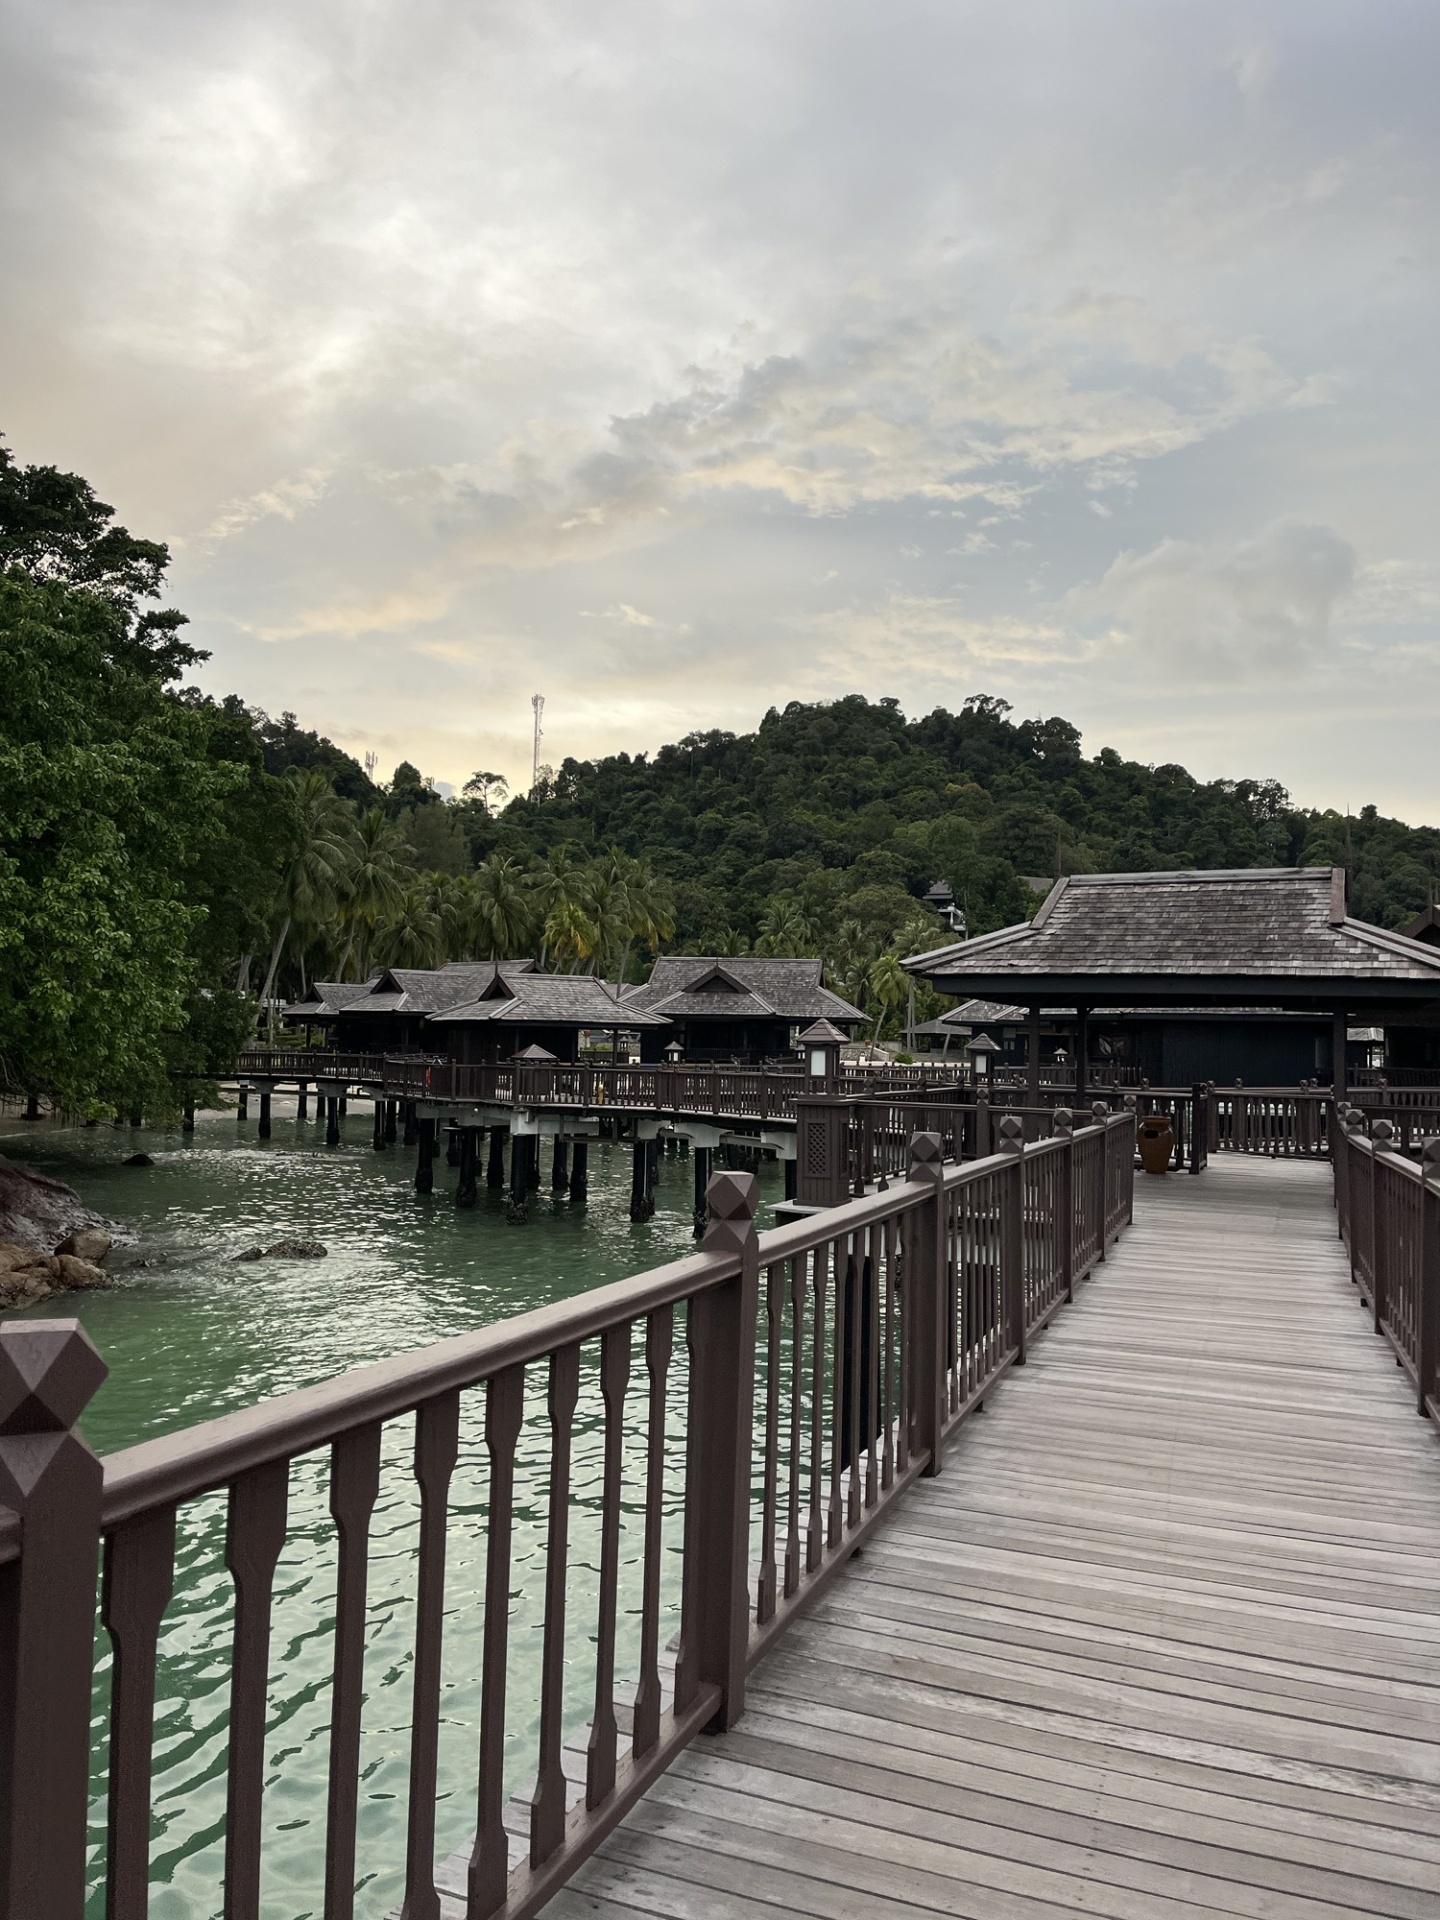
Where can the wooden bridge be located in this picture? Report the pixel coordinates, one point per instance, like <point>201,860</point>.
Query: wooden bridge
<point>1139,1618</point>
<point>1163,1640</point>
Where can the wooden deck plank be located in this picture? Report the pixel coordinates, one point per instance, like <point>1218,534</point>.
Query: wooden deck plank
<point>1162,1642</point>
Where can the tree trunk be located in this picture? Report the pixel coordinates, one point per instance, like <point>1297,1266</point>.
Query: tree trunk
<point>279,948</point>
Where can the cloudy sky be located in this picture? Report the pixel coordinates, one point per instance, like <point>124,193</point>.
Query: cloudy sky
<point>680,359</point>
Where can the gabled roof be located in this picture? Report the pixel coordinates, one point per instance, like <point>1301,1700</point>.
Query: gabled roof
<point>429,990</point>
<point>1425,927</point>
<point>1278,936</point>
<point>325,999</point>
<point>744,987</point>
<point>527,999</point>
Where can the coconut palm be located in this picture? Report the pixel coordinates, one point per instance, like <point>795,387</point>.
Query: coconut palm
<point>315,866</point>
<point>889,988</point>
<point>557,885</point>
<point>503,909</point>
<point>412,935</point>
<point>570,935</point>
<point>374,884</point>
<point>784,930</point>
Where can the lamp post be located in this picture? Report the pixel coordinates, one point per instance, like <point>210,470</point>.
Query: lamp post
<point>978,1052</point>
<point>822,1043</point>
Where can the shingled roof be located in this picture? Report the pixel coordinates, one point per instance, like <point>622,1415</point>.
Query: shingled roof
<point>722,987</point>
<point>517,998</point>
<point>325,998</point>
<point>1277,936</point>
<point>429,990</point>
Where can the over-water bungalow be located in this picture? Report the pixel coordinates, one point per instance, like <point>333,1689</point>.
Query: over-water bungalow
<point>520,1008</point>
<point>747,1010</point>
<point>390,1016</point>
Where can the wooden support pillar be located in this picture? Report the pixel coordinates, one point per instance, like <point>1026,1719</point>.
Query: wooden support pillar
<point>532,1163</point>
<point>642,1175</point>
<point>379,1139</point>
<point>516,1212</point>
<point>302,1102</point>
<point>32,1106</point>
<point>1032,1058</point>
<point>927,1298</point>
<point>702,1181</point>
<point>559,1166</point>
<point>332,1121</point>
<point>790,1167</point>
<point>1082,1054</point>
<point>465,1186</point>
<point>452,1146</point>
<point>424,1157</point>
<point>187,1125</point>
<point>242,1104</point>
<point>1339,1079</point>
<point>579,1170</point>
<point>412,1125</point>
<point>495,1166</point>
<point>264,1127</point>
<point>391,1130</point>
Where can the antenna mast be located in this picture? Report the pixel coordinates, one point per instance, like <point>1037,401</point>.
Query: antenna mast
<point>537,703</point>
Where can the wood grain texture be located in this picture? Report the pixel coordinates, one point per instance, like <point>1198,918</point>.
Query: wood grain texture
<point>1162,1642</point>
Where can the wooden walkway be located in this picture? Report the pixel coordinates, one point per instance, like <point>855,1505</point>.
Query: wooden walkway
<point>1163,1640</point>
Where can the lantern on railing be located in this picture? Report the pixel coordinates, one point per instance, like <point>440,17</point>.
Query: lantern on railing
<point>978,1052</point>
<point>822,1043</point>
<point>674,1053</point>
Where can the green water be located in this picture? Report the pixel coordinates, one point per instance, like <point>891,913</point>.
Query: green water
<point>188,1333</point>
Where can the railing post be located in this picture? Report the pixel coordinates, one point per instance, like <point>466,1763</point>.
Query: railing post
<point>1062,1127</point>
<point>1100,1117</point>
<point>1198,1142</point>
<point>1427,1333</point>
<point>1011,1143</point>
<point>1381,1135</point>
<point>720,1333</point>
<point>926,1300</point>
<point>49,1370</point>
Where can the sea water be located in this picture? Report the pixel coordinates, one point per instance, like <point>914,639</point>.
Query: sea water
<point>188,1332</point>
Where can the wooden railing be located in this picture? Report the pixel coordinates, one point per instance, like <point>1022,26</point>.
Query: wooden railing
<point>309,1063</point>
<point>1389,1209</point>
<point>822,1365</point>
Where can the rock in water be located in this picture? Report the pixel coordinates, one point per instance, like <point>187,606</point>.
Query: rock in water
<point>251,1253</point>
<point>36,1211</point>
<point>138,1160</point>
<point>80,1273</point>
<point>88,1243</point>
<point>297,1250</point>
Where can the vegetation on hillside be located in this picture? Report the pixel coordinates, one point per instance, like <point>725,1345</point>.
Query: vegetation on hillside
<point>167,859</point>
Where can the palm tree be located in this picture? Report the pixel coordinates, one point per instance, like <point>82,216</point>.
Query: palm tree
<point>557,885</point>
<point>502,907</point>
<point>889,988</point>
<point>651,909</point>
<point>570,934</point>
<point>315,866</point>
<point>373,884</point>
<point>784,930</point>
<point>412,935</point>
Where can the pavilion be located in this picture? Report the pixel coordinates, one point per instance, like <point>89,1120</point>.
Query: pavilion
<point>1253,939</point>
<point>748,1009</point>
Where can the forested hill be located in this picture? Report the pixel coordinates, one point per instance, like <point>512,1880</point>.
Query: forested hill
<point>824,801</point>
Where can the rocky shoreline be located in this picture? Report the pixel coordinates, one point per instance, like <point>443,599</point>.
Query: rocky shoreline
<point>50,1241</point>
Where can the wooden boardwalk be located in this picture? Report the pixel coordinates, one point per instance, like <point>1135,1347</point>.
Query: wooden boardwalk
<point>1162,1641</point>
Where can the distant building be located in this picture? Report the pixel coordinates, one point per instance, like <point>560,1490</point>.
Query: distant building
<point>746,1009</point>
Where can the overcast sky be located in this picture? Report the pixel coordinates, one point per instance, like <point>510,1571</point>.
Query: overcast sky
<point>678,360</point>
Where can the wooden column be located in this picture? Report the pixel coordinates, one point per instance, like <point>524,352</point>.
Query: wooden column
<point>332,1122</point>
<point>452,1146</point>
<point>559,1169</point>
<point>702,1182</point>
<point>242,1104</point>
<point>263,1129</point>
<point>1012,1226</point>
<point>1082,1051</point>
<point>720,1334</point>
<point>1339,1079</point>
<point>302,1103</point>
<point>927,1265</point>
<point>424,1157</point>
<point>1032,1058</point>
<point>390,1127</point>
<point>642,1174</point>
<point>1427,1342</point>
<point>495,1166</point>
<point>516,1212</point>
<point>379,1140</point>
<point>579,1170</point>
<point>465,1188</point>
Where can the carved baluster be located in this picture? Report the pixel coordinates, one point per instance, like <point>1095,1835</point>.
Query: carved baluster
<point>614,1379</point>
<point>765,1596</point>
<point>254,1537</point>
<point>437,1442</point>
<point>489,1869</point>
<point>354,1485</point>
<point>815,1532</point>
<point>547,1806</point>
<point>659,1339</point>
<point>138,1584</point>
<point>797,1394</point>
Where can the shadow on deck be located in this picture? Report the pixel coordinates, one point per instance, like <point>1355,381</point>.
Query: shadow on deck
<point>1163,1641</point>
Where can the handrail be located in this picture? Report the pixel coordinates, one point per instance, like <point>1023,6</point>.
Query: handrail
<point>827,1360</point>
<point>1388,1209</point>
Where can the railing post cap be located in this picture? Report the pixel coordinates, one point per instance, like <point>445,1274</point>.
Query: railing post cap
<point>730,1203</point>
<point>49,1372</point>
<point>1062,1120</point>
<point>1430,1157</point>
<point>926,1150</point>
<point>1012,1135</point>
<point>1382,1130</point>
<point>1099,1112</point>
<point>1354,1120</point>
